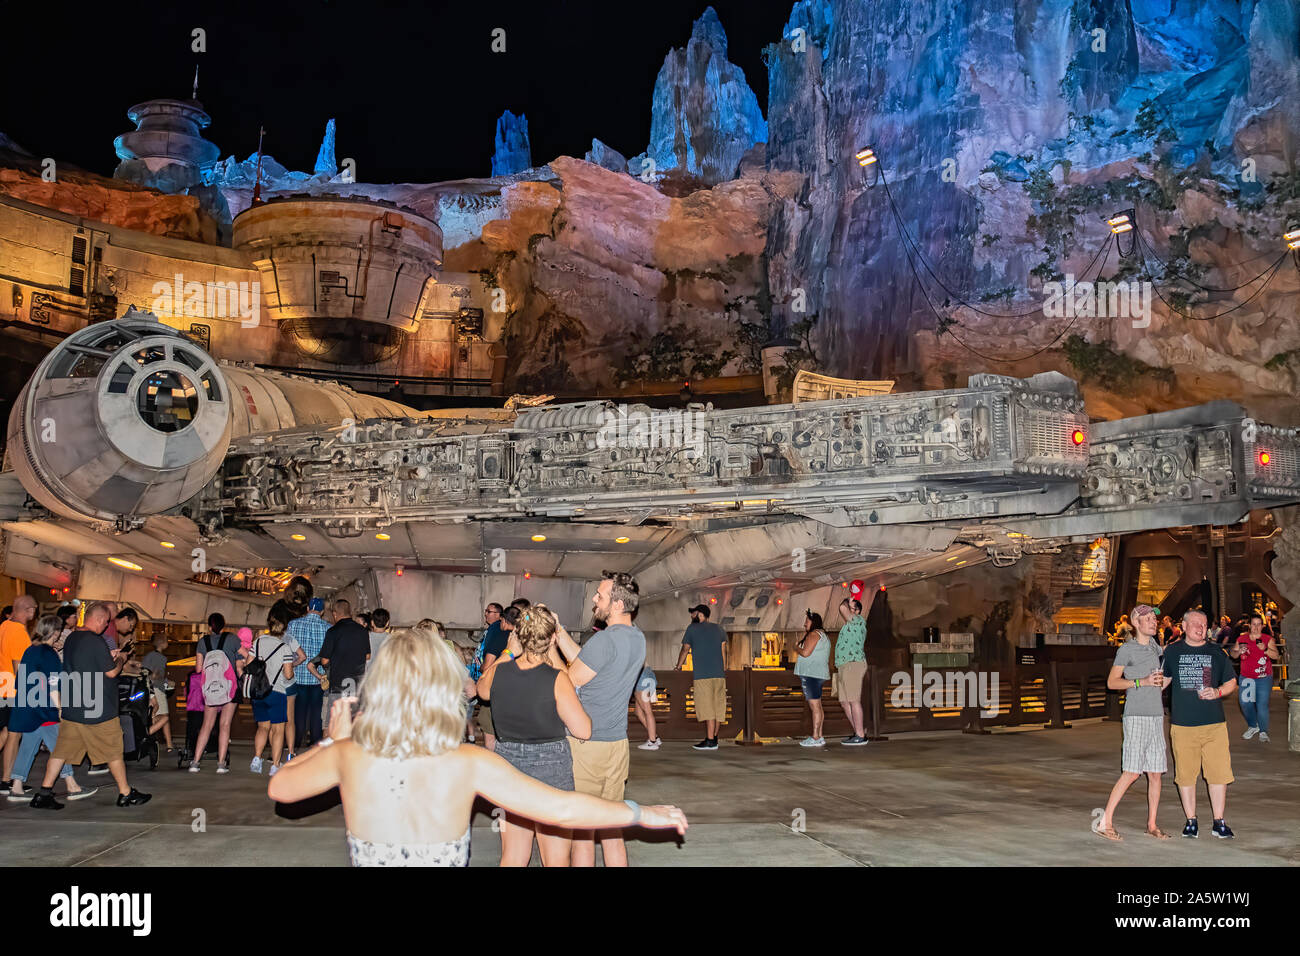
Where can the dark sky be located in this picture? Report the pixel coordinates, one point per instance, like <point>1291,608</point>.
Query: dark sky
<point>415,87</point>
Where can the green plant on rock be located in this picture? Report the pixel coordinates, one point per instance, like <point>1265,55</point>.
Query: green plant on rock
<point>1101,364</point>
<point>674,352</point>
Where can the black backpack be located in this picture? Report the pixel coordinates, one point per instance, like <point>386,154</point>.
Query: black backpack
<point>256,683</point>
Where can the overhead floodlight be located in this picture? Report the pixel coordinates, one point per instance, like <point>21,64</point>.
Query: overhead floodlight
<point>866,157</point>
<point>1292,239</point>
<point>1120,223</point>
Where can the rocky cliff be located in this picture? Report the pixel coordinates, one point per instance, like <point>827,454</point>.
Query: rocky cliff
<point>1006,133</point>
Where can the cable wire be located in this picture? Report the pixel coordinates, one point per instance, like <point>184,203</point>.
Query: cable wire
<point>1204,288</point>
<point>952,295</point>
<point>1276,267</point>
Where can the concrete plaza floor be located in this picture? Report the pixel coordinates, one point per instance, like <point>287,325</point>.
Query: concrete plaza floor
<point>1018,798</point>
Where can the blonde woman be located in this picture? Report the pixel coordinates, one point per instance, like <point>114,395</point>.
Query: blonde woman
<point>407,782</point>
<point>538,711</point>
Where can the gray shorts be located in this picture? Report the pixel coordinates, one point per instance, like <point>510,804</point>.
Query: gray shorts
<point>551,763</point>
<point>1144,745</point>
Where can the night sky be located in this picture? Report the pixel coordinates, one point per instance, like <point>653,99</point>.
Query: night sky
<point>415,88</point>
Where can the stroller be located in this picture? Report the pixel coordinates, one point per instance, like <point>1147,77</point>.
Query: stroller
<point>133,697</point>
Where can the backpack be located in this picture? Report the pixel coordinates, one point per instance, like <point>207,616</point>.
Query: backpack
<point>218,675</point>
<point>256,683</point>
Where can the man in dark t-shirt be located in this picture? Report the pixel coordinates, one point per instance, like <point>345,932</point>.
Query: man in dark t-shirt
<point>89,725</point>
<point>1201,677</point>
<point>345,652</point>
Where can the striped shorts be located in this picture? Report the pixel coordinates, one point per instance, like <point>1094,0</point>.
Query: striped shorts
<point>1144,745</point>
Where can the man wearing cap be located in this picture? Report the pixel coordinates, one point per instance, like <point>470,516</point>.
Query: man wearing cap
<point>1137,672</point>
<point>309,631</point>
<point>707,644</point>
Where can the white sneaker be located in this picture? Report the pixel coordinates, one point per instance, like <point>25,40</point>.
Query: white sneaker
<point>194,766</point>
<point>650,744</point>
<point>1250,732</point>
<point>256,765</point>
<point>808,742</point>
<point>222,768</point>
<point>274,768</point>
<point>1263,736</point>
<point>819,742</point>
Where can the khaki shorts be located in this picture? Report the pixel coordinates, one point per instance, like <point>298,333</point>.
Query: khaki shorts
<point>484,718</point>
<point>711,698</point>
<point>102,742</point>
<point>850,682</point>
<point>160,696</point>
<point>600,767</point>
<point>1201,750</point>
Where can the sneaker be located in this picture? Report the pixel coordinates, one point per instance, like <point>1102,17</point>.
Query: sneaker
<point>23,796</point>
<point>45,801</point>
<point>1222,830</point>
<point>819,742</point>
<point>650,744</point>
<point>81,794</point>
<point>194,766</point>
<point>98,768</point>
<point>256,765</point>
<point>712,744</point>
<point>6,786</point>
<point>1250,732</point>
<point>809,742</point>
<point>274,768</point>
<point>223,768</point>
<point>854,741</point>
<point>1190,829</point>
<point>1263,736</point>
<point>133,799</point>
<point>702,745</point>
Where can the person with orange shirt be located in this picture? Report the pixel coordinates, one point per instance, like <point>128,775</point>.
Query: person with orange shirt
<point>14,641</point>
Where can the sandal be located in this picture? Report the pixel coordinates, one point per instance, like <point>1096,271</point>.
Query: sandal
<point>1109,833</point>
<point>1158,833</point>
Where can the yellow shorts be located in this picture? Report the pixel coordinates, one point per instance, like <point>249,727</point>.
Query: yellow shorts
<point>711,698</point>
<point>1201,750</point>
<point>102,742</point>
<point>600,767</point>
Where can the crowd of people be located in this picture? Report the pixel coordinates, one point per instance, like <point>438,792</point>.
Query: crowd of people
<point>1194,663</point>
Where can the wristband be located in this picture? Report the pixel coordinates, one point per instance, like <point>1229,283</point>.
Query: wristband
<point>1137,682</point>
<point>635,809</point>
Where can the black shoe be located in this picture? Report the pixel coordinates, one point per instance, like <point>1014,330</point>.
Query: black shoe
<point>133,799</point>
<point>1191,830</point>
<point>45,801</point>
<point>1222,830</point>
<point>6,786</point>
<point>97,768</point>
<point>702,745</point>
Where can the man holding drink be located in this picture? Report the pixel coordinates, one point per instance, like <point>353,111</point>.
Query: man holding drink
<point>1201,676</point>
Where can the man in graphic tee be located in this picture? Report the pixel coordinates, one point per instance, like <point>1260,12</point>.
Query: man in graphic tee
<point>1201,677</point>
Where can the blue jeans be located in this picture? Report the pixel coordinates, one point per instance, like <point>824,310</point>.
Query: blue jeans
<point>306,713</point>
<point>1255,692</point>
<point>30,746</point>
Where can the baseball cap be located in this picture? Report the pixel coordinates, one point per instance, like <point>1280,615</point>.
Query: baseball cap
<point>702,608</point>
<point>316,604</point>
<point>1141,609</point>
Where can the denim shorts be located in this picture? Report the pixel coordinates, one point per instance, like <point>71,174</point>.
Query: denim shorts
<point>812,687</point>
<point>551,762</point>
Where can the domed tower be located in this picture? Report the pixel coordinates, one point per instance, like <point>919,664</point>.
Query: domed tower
<point>167,150</point>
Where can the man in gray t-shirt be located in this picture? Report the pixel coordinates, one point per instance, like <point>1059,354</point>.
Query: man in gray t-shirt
<point>616,655</point>
<point>1137,672</point>
<point>604,671</point>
